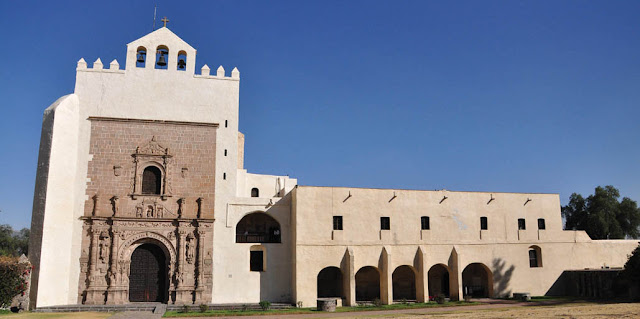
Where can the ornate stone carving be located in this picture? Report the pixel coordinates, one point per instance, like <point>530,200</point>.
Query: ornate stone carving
<point>149,208</point>
<point>190,248</point>
<point>103,247</point>
<point>114,205</point>
<point>152,148</point>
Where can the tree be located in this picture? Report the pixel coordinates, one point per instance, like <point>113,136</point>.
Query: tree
<point>13,243</point>
<point>602,216</point>
<point>632,268</point>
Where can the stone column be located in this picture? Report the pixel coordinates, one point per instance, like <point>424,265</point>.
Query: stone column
<point>200,286</point>
<point>114,274</point>
<point>348,278</point>
<point>182,295</point>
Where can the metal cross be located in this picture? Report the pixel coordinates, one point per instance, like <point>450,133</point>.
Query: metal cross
<point>165,20</point>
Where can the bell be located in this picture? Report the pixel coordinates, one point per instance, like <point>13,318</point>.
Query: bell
<point>140,57</point>
<point>161,60</point>
<point>181,64</point>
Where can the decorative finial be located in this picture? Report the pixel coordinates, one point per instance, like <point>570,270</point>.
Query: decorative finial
<point>165,20</point>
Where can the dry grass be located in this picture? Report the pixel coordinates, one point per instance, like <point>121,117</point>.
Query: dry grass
<point>571,311</point>
<point>50,315</point>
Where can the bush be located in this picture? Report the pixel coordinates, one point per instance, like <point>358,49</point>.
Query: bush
<point>377,302</point>
<point>204,307</point>
<point>245,307</point>
<point>13,279</point>
<point>265,305</point>
<point>467,298</point>
<point>440,299</point>
<point>185,309</point>
<point>299,304</point>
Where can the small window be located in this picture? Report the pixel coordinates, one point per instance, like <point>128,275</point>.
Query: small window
<point>541,224</point>
<point>424,223</point>
<point>225,152</point>
<point>226,123</point>
<point>224,175</point>
<point>337,222</point>
<point>535,257</point>
<point>255,192</point>
<point>385,223</point>
<point>521,224</point>
<point>151,180</point>
<point>483,223</point>
<point>257,260</point>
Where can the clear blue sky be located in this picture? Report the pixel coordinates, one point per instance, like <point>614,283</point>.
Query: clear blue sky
<point>515,96</point>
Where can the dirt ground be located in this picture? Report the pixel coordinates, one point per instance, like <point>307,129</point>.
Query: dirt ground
<point>570,311</point>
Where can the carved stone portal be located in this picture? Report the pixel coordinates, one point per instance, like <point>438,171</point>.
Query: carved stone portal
<point>109,243</point>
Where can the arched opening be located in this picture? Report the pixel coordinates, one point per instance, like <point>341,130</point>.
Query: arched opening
<point>258,228</point>
<point>148,275</point>
<point>477,281</point>
<point>151,180</point>
<point>141,57</point>
<point>255,192</point>
<point>438,281</point>
<point>162,56</point>
<point>182,61</point>
<point>330,283</point>
<point>404,283</point>
<point>367,284</point>
<point>535,257</point>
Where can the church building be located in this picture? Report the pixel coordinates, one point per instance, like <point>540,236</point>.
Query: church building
<point>141,196</point>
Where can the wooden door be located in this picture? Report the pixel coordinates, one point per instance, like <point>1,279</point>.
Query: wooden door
<point>148,274</point>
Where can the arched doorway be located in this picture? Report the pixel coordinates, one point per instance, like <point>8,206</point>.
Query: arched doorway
<point>477,281</point>
<point>438,281</point>
<point>330,283</point>
<point>258,228</point>
<point>148,274</point>
<point>404,283</point>
<point>367,284</point>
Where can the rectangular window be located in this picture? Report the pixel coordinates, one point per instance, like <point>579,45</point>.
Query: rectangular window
<point>337,222</point>
<point>256,261</point>
<point>385,223</point>
<point>424,222</point>
<point>483,223</point>
<point>521,224</point>
<point>541,224</point>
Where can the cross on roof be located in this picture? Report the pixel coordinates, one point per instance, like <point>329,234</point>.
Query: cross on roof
<point>165,20</point>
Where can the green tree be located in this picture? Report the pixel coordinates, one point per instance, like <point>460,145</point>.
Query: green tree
<point>13,243</point>
<point>632,268</point>
<point>601,215</point>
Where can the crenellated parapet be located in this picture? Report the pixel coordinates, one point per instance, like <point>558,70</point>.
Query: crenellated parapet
<point>114,66</point>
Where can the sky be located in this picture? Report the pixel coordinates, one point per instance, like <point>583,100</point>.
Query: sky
<point>498,96</point>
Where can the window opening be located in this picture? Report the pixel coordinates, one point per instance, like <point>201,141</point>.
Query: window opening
<point>424,223</point>
<point>225,152</point>
<point>533,258</point>
<point>255,192</point>
<point>385,223</point>
<point>182,61</point>
<point>541,224</point>
<point>151,180</point>
<point>258,228</point>
<point>337,222</point>
<point>483,223</point>
<point>521,224</point>
<point>256,260</point>
<point>224,175</point>
<point>141,57</point>
<point>162,54</point>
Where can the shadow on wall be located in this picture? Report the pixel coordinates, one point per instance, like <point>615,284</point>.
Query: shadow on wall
<point>501,277</point>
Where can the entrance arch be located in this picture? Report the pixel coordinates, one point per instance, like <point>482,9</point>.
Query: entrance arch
<point>148,280</point>
<point>367,284</point>
<point>439,281</point>
<point>477,281</point>
<point>330,283</point>
<point>404,283</point>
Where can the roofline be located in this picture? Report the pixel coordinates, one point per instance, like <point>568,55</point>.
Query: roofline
<point>424,190</point>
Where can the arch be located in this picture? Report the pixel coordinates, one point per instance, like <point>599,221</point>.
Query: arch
<point>152,180</point>
<point>439,282</point>
<point>367,284</point>
<point>330,283</point>
<point>404,283</point>
<point>535,256</point>
<point>255,192</point>
<point>162,57</point>
<point>148,279</point>
<point>141,56</point>
<point>477,281</point>
<point>258,227</point>
<point>182,61</point>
